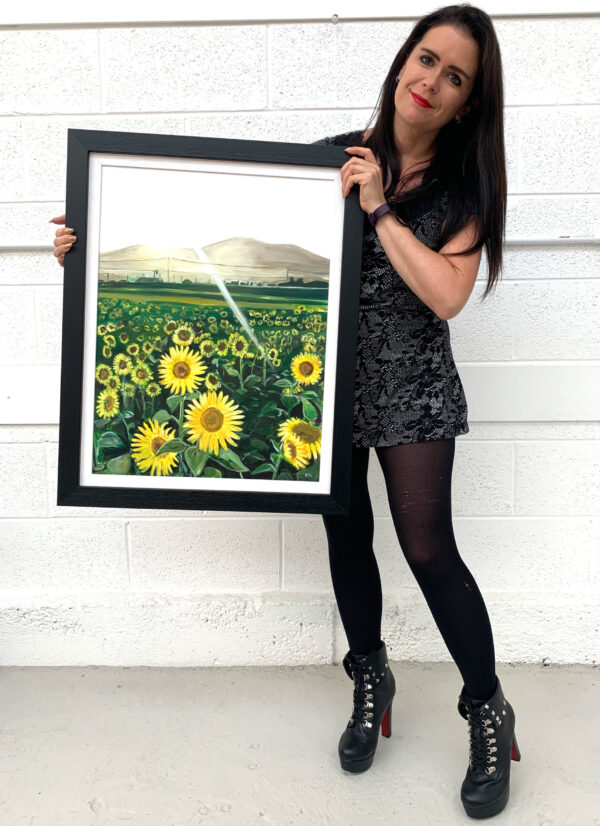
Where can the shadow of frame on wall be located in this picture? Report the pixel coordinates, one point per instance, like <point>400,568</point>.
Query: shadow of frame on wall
<point>210,310</point>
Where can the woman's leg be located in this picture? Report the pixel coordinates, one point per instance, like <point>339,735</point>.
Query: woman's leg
<point>418,478</point>
<point>354,571</point>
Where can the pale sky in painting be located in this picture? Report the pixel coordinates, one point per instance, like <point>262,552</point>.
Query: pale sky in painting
<point>208,201</point>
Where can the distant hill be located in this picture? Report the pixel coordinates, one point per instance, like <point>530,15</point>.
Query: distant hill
<point>240,251</point>
<point>239,259</point>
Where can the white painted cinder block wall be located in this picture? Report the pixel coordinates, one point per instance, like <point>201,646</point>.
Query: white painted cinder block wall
<point>83,586</point>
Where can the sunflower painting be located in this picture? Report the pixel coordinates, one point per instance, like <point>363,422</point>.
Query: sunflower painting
<point>205,306</point>
<point>209,360</point>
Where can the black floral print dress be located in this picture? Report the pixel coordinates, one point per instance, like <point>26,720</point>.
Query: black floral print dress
<point>407,387</point>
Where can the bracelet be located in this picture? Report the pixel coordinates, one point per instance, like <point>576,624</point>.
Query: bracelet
<point>377,213</point>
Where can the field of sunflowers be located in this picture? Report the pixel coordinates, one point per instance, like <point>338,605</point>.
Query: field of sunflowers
<point>181,391</point>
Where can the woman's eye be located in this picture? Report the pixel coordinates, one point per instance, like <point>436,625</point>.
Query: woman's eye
<point>427,57</point>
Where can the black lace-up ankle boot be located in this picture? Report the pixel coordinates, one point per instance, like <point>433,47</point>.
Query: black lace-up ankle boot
<point>374,689</point>
<point>493,745</point>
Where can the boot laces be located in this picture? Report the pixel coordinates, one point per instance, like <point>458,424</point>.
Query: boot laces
<point>362,698</point>
<point>481,746</point>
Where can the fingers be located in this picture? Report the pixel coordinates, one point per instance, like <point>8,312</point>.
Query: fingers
<point>356,171</point>
<point>64,238</point>
<point>63,242</point>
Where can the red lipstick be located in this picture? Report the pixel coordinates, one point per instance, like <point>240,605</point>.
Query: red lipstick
<point>421,101</point>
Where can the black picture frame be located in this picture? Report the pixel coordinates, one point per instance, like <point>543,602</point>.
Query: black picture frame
<point>89,150</point>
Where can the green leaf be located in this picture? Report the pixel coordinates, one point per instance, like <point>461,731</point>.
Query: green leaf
<point>162,416</point>
<point>230,460</point>
<point>309,411</point>
<point>258,444</point>
<point>173,402</point>
<point>196,459</point>
<point>269,409</point>
<point>120,464</point>
<point>212,471</point>
<point>283,383</point>
<point>289,402</point>
<point>127,414</point>
<point>285,474</point>
<point>172,446</point>
<point>110,439</point>
<point>262,469</point>
<point>231,371</point>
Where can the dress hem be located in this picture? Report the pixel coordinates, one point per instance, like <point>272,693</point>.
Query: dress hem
<point>459,430</point>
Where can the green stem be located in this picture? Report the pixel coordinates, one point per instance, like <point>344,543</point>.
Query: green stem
<point>241,376</point>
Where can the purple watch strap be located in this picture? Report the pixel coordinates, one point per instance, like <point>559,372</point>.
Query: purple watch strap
<point>377,213</point>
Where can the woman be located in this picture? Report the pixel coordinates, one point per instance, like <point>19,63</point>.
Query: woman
<point>432,184</point>
<point>432,181</point>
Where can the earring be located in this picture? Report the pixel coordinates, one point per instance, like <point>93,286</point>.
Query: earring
<point>397,81</point>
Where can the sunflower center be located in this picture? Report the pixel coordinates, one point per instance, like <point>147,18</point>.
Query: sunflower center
<point>156,443</point>
<point>306,432</point>
<point>141,374</point>
<point>306,368</point>
<point>184,335</point>
<point>181,370</point>
<point>103,373</point>
<point>292,449</point>
<point>109,402</point>
<point>212,419</point>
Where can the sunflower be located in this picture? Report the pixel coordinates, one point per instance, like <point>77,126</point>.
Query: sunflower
<point>114,383</point>
<point>273,353</point>
<point>141,374</point>
<point>124,337</point>
<point>170,327</point>
<point>103,373</point>
<point>306,368</point>
<point>133,349</point>
<point>129,390</point>
<point>147,347</point>
<point>213,420</point>
<point>110,340</point>
<point>147,440</point>
<point>107,404</point>
<point>102,330</point>
<point>306,432</point>
<point>238,344</point>
<point>152,389</point>
<point>296,451</point>
<point>122,364</point>
<point>181,370</point>
<point>222,346</point>
<point>211,380</point>
<point>184,334</point>
<point>207,348</point>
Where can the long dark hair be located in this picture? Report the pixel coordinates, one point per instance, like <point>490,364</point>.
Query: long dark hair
<point>470,158</point>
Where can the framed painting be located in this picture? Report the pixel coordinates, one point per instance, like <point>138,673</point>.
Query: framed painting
<point>210,311</point>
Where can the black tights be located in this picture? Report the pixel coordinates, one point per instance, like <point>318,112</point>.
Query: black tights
<point>418,479</point>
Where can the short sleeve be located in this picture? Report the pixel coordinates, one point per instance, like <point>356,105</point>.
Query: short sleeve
<point>327,141</point>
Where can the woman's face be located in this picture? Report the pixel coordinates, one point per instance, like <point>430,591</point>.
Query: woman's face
<point>427,73</point>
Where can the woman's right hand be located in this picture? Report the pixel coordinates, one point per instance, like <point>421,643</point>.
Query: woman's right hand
<point>64,239</point>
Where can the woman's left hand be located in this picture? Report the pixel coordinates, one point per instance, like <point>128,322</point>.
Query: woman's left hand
<point>366,172</point>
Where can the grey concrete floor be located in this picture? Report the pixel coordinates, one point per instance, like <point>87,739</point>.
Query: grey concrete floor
<point>258,747</point>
